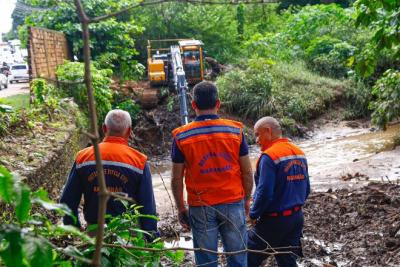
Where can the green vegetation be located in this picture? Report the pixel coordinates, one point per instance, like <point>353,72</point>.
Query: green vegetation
<point>347,40</point>
<point>247,92</point>
<point>30,238</point>
<point>341,43</point>
<point>131,107</point>
<point>113,40</point>
<point>357,98</point>
<point>386,106</point>
<point>17,101</point>
<point>382,19</point>
<point>290,92</point>
<point>71,72</point>
<point>215,25</point>
<point>48,107</point>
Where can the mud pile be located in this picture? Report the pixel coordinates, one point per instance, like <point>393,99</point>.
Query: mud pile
<point>353,228</point>
<point>342,228</point>
<point>152,131</point>
<point>141,91</point>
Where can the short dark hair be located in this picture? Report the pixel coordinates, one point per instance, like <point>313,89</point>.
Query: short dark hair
<point>205,95</point>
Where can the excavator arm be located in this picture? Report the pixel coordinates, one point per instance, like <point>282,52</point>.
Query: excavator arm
<point>177,65</point>
<point>180,83</point>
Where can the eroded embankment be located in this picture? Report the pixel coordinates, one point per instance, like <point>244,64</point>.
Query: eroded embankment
<point>44,156</point>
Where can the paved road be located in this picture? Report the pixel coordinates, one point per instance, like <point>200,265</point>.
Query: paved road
<point>15,89</point>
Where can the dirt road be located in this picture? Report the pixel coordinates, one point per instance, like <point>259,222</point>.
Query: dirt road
<point>15,89</point>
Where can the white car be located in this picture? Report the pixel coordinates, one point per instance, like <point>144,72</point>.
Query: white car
<point>19,72</point>
<point>3,81</point>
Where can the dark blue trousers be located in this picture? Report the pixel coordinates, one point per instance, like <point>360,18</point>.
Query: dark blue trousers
<point>280,231</point>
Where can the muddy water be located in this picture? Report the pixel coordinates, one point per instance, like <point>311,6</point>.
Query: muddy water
<point>338,156</point>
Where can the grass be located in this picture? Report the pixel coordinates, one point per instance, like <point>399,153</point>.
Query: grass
<point>301,94</point>
<point>280,89</point>
<point>17,101</point>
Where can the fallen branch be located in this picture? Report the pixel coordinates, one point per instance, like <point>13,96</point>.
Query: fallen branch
<point>267,251</point>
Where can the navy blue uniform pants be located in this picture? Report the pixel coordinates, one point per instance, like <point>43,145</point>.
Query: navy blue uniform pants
<point>280,231</point>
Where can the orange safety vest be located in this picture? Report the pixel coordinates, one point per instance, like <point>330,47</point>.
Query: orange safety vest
<point>281,150</point>
<point>114,151</point>
<point>212,169</point>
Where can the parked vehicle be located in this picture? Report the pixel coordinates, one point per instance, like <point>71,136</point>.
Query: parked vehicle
<point>3,81</point>
<point>19,72</point>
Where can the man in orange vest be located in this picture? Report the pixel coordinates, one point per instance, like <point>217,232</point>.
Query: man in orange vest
<point>282,186</point>
<point>126,172</point>
<point>212,154</point>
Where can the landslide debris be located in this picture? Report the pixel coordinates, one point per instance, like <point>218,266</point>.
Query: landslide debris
<point>354,227</point>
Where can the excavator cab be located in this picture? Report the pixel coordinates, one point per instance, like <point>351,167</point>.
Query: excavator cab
<point>192,57</point>
<point>159,64</point>
<point>179,65</point>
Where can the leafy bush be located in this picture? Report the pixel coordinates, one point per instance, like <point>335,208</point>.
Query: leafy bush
<point>316,21</point>
<point>319,46</point>
<point>386,107</point>
<point>74,72</point>
<point>329,56</point>
<point>357,98</point>
<point>45,95</point>
<point>382,19</point>
<point>284,4</point>
<point>131,107</point>
<point>247,92</point>
<point>132,71</point>
<point>269,45</point>
<point>30,238</point>
<point>324,36</point>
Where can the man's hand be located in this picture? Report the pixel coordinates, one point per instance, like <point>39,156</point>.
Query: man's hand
<point>247,206</point>
<point>183,218</point>
<point>252,221</point>
<point>177,191</point>
<point>247,176</point>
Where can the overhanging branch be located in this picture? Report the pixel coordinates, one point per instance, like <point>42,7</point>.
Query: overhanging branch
<point>195,2</point>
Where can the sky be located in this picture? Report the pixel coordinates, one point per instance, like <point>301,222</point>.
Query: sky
<point>6,8</point>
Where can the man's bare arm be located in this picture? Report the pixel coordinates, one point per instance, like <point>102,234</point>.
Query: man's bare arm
<point>177,184</point>
<point>247,175</point>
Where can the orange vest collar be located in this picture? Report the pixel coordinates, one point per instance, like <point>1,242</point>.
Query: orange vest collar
<point>279,140</point>
<point>115,139</point>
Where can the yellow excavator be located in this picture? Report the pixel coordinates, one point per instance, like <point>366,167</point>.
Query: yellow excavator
<point>162,60</point>
<point>178,65</point>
